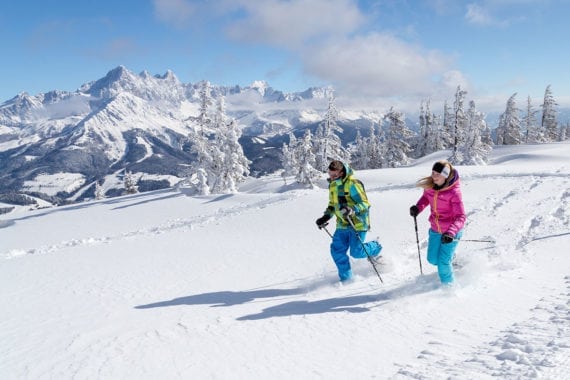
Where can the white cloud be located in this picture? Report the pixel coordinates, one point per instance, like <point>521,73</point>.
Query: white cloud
<point>454,78</point>
<point>478,15</point>
<point>293,23</point>
<point>378,64</point>
<point>323,36</point>
<point>488,14</point>
<point>175,12</point>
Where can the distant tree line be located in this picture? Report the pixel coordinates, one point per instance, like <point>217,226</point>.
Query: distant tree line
<point>6,210</point>
<point>17,199</point>
<point>514,129</point>
<point>390,143</point>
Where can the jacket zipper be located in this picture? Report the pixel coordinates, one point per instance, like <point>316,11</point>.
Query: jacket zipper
<point>435,196</point>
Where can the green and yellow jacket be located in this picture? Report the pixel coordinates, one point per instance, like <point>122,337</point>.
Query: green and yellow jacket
<point>349,191</point>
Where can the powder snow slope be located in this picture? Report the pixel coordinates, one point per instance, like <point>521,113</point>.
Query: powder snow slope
<point>162,285</point>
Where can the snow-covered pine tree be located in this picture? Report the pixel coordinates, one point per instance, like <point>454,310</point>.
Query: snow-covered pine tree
<point>368,152</point>
<point>486,137</point>
<point>567,127</point>
<point>327,144</point>
<point>306,172</point>
<point>436,140</point>
<point>564,132</point>
<point>448,123</point>
<point>532,131</point>
<point>200,172</point>
<point>200,168</point>
<point>206,101</point>
<point>218,176</point>
<point>235,166</point>
<point>99,191</point>
<point>216,169</point>
<point>509,129</point>
<point>220,117</point>
<point>549,122</point>
<point>289,158</point>
<point>500,130</point>
<point>421,148</point>
<point>130,183</point>
<point>397,146</point>
<point>431,137</point>
<point>201,182</point>
<point>459,126</point>
<point>473,150</point>
<point>376,148</point>
<point>222,164</point>
<point>359,152</point>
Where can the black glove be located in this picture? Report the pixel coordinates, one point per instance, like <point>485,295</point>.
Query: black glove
<point>323,220</point>
<point>414,211</point>
<point>346,211</point>
<point>446,238</point>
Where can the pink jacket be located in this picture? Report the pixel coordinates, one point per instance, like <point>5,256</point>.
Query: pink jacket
<point>447,212</point>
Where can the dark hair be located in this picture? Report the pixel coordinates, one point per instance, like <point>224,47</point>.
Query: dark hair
<point>336,165</point>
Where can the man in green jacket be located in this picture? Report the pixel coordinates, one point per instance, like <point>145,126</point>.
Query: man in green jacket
<point>347,199</point>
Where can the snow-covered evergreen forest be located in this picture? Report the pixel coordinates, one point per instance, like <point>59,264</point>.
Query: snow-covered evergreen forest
<point>390,143</point>
<point>221,165</point>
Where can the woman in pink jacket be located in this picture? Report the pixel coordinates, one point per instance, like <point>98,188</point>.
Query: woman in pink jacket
<point>447,218</point>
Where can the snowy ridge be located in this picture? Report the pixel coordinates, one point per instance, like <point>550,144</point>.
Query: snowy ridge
<point>164,285</point>
<point>137,122</point>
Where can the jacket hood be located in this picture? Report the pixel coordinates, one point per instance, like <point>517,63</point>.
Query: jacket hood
<point>348,170</point>
<point>454,177</point>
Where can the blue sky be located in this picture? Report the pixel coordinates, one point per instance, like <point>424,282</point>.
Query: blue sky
<point>386,51</point>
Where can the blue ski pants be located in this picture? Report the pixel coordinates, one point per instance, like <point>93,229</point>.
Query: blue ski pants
<point>441,255</point>
<point>345,239</point>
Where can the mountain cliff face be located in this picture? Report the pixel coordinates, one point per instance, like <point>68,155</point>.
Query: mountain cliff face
<point>58,144</point>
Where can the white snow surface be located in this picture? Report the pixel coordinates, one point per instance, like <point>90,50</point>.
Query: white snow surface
<point>51,184</point>
<point>161,285</point>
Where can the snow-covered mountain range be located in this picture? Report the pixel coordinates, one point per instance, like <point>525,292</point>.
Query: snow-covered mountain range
<point>57,144</point>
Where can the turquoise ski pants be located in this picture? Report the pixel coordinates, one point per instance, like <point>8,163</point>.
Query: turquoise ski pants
<point>441,255</point>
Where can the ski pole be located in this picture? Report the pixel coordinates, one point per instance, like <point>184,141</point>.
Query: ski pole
<point>364,247</point>
<point>477,241</point>
<point>324,227</point>
<point>418,242</point>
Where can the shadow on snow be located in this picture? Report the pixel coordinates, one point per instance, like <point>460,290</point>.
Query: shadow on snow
<point>224,298</point>
<point>352,304</point>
